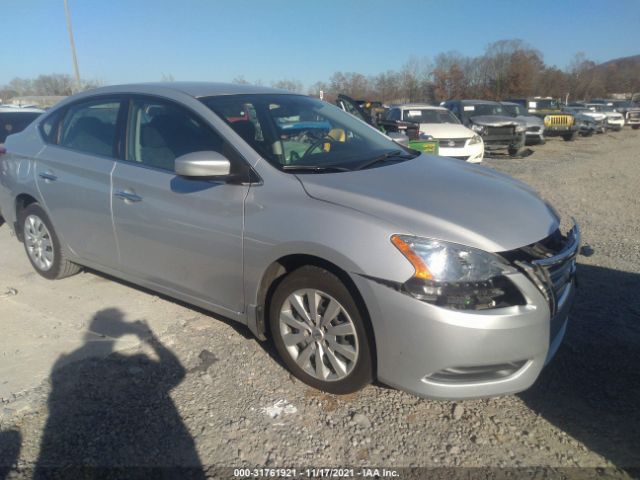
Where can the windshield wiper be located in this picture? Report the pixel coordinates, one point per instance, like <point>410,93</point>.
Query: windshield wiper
<point>314,168</point>
<point>392,155</point>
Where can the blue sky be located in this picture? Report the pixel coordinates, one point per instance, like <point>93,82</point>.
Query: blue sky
<point>122,41</point>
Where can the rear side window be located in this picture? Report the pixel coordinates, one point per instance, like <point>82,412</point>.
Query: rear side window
<point>159,132</point>
<point>90,127</point>
<point>50,127</point>
<point>14,122</point>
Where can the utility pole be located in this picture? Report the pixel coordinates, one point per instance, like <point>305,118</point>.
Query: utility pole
<point>73,46</point>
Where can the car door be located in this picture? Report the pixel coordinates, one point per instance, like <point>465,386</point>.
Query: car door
<point>73,175</point>
<point>184,235</point>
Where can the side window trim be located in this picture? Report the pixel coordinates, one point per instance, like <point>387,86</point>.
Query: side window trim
<point>245,173</point>
<point>64,111</point>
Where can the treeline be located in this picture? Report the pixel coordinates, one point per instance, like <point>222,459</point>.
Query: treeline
<point>507,68</point>
<point>45,85</point>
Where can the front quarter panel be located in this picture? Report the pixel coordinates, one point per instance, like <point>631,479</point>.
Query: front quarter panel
<point>281,220</point>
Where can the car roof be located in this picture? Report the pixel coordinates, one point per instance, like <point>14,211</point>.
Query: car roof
<point>479,102</point>
<point>194,89</point>
<point>419,105</point>
<point>514,104</point>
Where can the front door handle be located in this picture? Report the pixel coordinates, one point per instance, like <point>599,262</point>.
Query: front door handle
<point>48,176</point>
<point>127,196</point>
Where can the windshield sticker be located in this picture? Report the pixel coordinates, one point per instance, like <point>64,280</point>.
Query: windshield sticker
<point>533,104</point>
<point>469,108</point>
<point>415,113</point>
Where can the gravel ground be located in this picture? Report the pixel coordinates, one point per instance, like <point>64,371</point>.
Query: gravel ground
<point>203,392</point>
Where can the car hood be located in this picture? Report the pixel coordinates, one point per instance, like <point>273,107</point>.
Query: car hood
<point>495,121</point>
<point>446,130</point>
<point>530,120</point>
<point>444,199</point>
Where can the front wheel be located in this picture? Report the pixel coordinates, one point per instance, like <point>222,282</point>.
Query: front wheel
<point>319,331</point>
<point>569,137</point>
<point>513,151</point>
<point>42,245</point>
<point>635,127</point>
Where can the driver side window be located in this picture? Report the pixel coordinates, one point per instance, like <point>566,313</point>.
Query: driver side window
<point>159,132</point>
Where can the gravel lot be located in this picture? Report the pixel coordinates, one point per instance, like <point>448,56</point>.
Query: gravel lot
<point>202,392</point>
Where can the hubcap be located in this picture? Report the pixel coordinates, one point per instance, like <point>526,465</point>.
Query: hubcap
<point>38,242</point>
<point>319,335</point>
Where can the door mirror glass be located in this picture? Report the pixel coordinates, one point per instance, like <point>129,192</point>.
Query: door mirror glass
<point>202,165</point>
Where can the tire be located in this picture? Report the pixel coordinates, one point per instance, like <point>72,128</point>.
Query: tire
<point>569,137</point>
<point>347,361</point>
<point>513,151</point>
<point>43,246</point>
<point>635,127</point>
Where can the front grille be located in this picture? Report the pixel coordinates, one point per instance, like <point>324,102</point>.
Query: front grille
<point>491,131</point>
<point>465,158</point>
<point>558,120</point>
<point>549,263</point>
<point>451,142</point>
<point>634,114</point>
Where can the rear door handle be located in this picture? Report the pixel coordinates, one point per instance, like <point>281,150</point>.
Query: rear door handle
<point>127,196</point>
<point>48,176</point>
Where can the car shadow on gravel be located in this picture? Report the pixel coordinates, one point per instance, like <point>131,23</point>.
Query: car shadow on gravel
<point>111,415</point>
<point>591,390</point>
<point>10,442</point>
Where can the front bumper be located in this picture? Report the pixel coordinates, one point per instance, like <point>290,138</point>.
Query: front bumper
<point>469,153</point>
<point>440,353</point>
<point>559,131</point>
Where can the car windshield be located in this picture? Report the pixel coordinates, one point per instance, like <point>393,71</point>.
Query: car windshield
<point>545,103</point>
<point>428,115</point>
<point>514,110</point>
<point>14,122</point>
<point>294,131</point>
<point>482,109</point>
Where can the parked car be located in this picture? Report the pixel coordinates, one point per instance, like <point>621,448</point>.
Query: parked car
<point>556,122</point>
<point>615,120</point>
<point>498,130</point>
<point>578,110</point>
<point>16,119</point>
<point>587,124</point>
<point>535,126</point>
<point>405,133</point>
<point>454,139</point>
<point>629,110</point>
<point>359,258</point>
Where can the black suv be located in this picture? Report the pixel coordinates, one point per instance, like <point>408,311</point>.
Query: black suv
<point>498,130</point>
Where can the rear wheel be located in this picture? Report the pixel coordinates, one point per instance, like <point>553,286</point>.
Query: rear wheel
<point>42,245</point>
<point>319,331</point>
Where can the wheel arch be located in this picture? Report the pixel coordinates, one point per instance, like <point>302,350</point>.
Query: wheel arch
<point>280,268</point>
<point>22,201</point>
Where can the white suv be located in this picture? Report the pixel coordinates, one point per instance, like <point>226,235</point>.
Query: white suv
<point>455,140</point>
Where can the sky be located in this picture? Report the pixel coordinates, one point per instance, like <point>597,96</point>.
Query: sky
<point>121,41</point>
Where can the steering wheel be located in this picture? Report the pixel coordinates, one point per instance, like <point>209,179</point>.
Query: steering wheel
<point>317,144</point>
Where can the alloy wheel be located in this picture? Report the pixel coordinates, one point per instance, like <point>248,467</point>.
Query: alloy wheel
<point>319,335</point>
<point>38,241</point>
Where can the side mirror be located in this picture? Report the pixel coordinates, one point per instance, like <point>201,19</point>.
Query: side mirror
<point>203,165</point>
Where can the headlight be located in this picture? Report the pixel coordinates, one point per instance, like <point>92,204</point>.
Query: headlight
<point>457,277</point>
<point>520,128</point>
<point>477,128</point>
<point>475,139</point>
